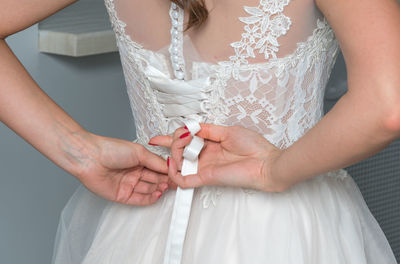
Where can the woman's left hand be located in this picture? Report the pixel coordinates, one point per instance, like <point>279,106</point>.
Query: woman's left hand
<point>232,156</point>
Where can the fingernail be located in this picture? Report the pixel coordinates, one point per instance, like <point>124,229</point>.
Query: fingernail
<point>152,144</point>
<point>164,187</point>
<point>185,135</point>
<point>168,162</point>
<point>186,128</point>
<point>159,194</point>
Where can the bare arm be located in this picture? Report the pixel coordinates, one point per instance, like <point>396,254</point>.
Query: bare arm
<point>363,121</point>
<point>115,169</point>
<point>24,107</point>
<point>367,117</point>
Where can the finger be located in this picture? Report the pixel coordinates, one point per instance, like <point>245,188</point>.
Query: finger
<point>153,177</point>
<point>213,132</point>
<point>178,147</point>
<point>145,187</point>
<point>163,187</point>
<point>234,175</point>
<point>172,185</point>
<point>243,173</point>
<point>151,160</point>
<point>164,141</point>
<point>178,132</point>
<point>189,181</point>
<point>139,199</point>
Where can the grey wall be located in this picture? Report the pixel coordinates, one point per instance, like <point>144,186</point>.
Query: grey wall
<point>33,190</point>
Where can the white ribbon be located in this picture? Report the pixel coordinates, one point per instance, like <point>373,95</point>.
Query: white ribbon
<point>183,199</point>
<point>178,98</point>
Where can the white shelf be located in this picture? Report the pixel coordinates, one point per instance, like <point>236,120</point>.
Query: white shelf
<point>78,30</point>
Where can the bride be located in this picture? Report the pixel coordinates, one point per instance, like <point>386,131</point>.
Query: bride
<point>244,80</point>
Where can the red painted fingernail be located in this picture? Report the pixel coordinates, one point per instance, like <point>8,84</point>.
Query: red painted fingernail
<point>185,135</point>
<point>168,162</point>
<point>159,194</point>
<point>185,127</point>
<point>152,144</point>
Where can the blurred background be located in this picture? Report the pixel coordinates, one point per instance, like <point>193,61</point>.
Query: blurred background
<point>91,89</point>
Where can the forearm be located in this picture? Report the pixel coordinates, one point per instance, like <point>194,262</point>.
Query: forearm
<point>33,115</point>
<point>365,119</point>
<point>356,128</point>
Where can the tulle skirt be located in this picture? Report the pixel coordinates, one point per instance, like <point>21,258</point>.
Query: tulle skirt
<point>322,220</point>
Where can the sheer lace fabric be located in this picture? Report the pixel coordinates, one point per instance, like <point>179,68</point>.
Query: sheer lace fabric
<point>261,64</point>
<point>273,81</point>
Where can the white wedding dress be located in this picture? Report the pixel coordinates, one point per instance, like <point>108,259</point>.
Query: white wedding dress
<point>272,80</point>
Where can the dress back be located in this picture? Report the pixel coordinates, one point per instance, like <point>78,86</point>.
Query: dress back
<point>261,64</point>
<point>265,65</point>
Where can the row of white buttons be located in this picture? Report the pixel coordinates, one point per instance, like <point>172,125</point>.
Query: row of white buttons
<point>176,42</point>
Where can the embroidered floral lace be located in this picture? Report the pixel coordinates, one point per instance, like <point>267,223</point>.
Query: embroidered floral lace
<point>273,82</point>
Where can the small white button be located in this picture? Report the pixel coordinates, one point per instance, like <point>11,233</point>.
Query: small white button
<point>179,75</point>
<point>176,66</point>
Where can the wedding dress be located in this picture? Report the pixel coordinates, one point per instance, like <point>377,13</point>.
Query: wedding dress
<point>271,79</point>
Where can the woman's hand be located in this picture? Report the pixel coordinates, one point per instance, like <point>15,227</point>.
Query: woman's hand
<point>232,156</point>
<point>120,170</point>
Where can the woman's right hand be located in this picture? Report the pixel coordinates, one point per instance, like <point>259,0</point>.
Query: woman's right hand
<point>232,156</point>
<point>120,170</point>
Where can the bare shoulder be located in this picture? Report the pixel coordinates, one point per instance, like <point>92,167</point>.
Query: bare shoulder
<point>18,15</point>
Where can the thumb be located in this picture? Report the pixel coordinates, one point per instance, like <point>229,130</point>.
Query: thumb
<point>213,132</point>
<point>150,160</point>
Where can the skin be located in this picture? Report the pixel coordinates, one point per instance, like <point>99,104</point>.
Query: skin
<point>364,121</point>
<point>224,160</point>
<point>115,169</point>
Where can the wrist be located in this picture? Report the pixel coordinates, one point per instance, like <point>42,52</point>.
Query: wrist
<point>273,173</point>
<point>79,150</point>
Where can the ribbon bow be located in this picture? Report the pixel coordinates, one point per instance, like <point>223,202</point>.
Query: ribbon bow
<point>183,199</point>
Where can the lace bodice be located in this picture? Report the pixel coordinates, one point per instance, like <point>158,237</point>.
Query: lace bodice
<point>271,83</point>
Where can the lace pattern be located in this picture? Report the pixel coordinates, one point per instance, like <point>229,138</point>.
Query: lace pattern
<point>209,196</point>
<point>262,30</point>
<point>280,98</point>
<point>119,26</point>
<point>147,112</point>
